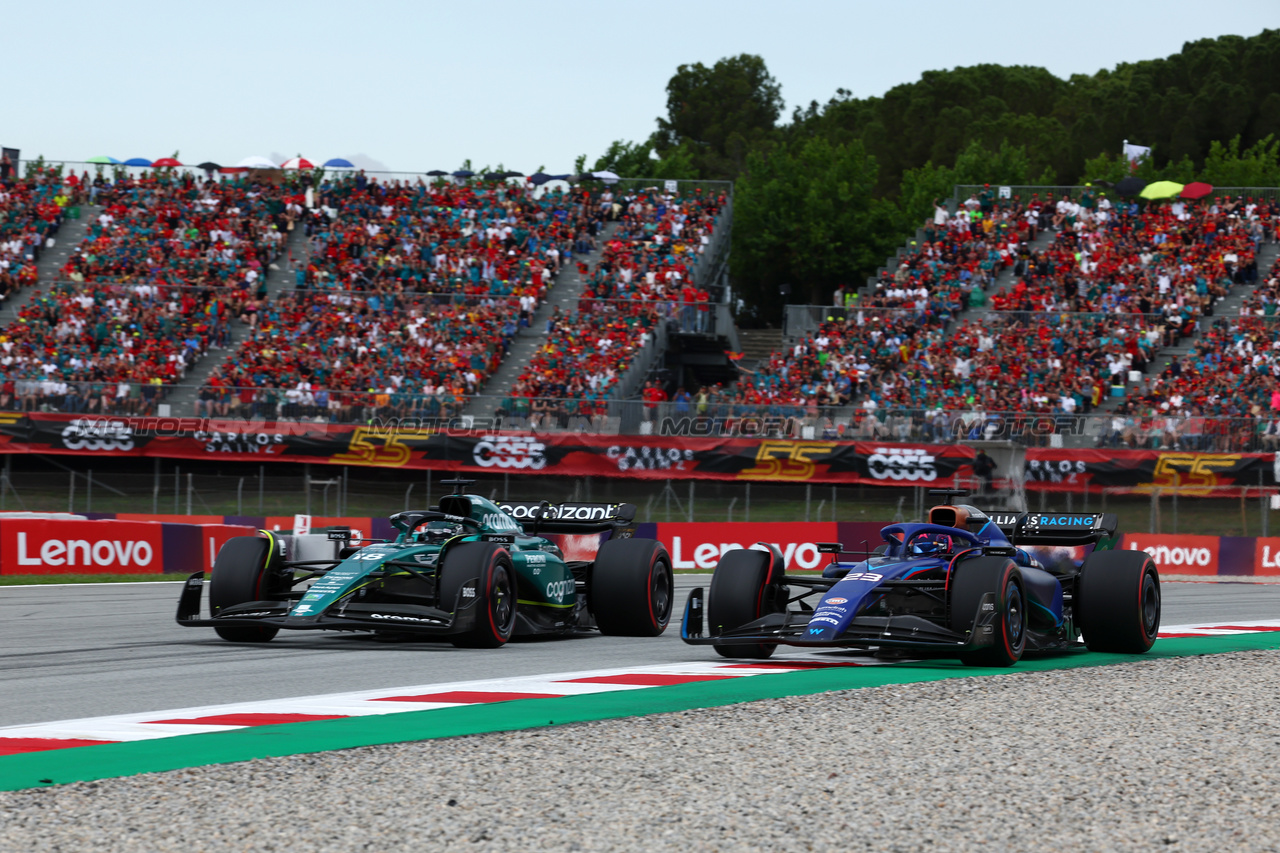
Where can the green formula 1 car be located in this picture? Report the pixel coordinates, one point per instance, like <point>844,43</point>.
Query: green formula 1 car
<point>466,571</point>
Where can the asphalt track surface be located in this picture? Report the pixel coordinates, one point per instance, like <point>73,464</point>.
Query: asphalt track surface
<point>89,650</point>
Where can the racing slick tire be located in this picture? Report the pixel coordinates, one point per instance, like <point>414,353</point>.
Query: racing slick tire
<point>632,588</point>
<point>746,585</point>
<point>245,570</point>
<point>495,594</point>
<point>1117,602</point>
<point>972,579</point>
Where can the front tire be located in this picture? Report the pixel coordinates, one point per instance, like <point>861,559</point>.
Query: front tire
<point>971,580</point>
<point>1117,602</point>
<point>746,585</point>
<point>495,591</point>
<point>632,588</point>
<point>245,571</point>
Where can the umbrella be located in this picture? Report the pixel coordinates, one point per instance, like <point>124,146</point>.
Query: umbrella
<point>1196,189</point>
<point>104,160</point>
<point>1130,186</point>
<point>494,176</point>
<point>165,163</point>
<point>607,177</point>
<point>339,163</point>
<point>209,166</point>
<point>1161,189</point>
<point>256,163</point>
<point>514,174</point>
<point>463,173</point>
<point>539,178</point>
<point>138,161</point>
<point>298,163</point>
<point>436,173</point>
<point>560,177</point>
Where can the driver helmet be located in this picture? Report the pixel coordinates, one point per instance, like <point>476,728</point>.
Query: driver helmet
<point>932,543</point>
<point>438,532</point>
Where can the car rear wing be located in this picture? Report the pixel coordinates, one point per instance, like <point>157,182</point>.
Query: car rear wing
<point>571,516</point>
<point>1055,528</point>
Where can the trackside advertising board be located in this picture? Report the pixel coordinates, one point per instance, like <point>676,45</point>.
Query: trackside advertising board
<point>34,546</point>
<point>696,546</point>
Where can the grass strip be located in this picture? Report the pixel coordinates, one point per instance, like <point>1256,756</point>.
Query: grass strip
<point>29,580</point>
<point>79,764</point>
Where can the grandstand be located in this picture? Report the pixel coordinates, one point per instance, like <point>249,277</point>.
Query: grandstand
<point>395,296</point>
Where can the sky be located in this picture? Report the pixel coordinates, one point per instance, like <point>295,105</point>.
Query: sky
<point>412,86</point>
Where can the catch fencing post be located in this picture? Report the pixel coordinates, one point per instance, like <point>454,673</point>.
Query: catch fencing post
<point>833,503</point>
<point>667,494</point>
<point>808,499</point>
<point>1175,503</point>
<point>690,499</point>
<point>240,497</point>
<point>408,492</point>
<point>306,484</point>
<point>428,487</point>
<point>262,470</point>
<point>71,495</point>
<point>155,489</point>
<point>177,487</point>
<point>747,507</point>
<point>1262,499</point>
<point>88,492</point>
<point>191,487</point>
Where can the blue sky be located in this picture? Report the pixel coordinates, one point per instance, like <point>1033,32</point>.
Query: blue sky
<point>420,85</point>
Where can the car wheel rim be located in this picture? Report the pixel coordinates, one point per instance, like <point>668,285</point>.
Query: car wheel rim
<point>1013,614</point>
<point>501,602</point>
<point>660,594</point>
<point>1150,605</point>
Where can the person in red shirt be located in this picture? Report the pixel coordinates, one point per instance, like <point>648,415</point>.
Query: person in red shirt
<point>653,395</point>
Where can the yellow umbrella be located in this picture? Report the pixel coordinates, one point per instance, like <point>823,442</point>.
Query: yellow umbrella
<point>1161,189</point>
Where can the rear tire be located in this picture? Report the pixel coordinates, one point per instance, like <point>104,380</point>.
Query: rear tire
<point>1117,602</point>
<point>495,592</point>
<point>632,588</point>
<point>744,587</point>
<point>972,579</point>
<point>245,571</point>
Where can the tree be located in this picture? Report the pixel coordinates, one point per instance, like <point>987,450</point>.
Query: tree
<point>721,112</point>
<point>805,215</point>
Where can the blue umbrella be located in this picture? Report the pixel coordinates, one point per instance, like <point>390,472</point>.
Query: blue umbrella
<point>339,163</point>
<point>137,161</point>
<point>539,178</point>
<point>463,173</point>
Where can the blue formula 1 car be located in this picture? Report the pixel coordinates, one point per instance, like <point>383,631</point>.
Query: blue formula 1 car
<point>958,586</point>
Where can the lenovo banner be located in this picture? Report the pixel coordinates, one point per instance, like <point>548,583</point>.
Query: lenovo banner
<point>32,546</point>
<point>1177,555</point>
<point>39,546</point>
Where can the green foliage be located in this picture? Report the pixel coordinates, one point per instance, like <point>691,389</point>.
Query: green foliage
<point>814,221</point>
<point>1256,166</point>
<point>723,112</point>
<point>983,124</point>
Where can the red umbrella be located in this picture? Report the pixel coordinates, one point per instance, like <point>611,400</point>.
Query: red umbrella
<point>165,163</point>
<point>297,163</point>
<point>1196,189</point>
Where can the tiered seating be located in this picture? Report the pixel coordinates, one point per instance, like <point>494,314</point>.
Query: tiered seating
<point>846,361</point>
<point>475,240</point>
<point>585,355</point>
<point>654,251</point>
<point>106,348</point>
<point>29,215</point>
<point>174,230</point>
<point>343,356</point>
<point>1185,254</point>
